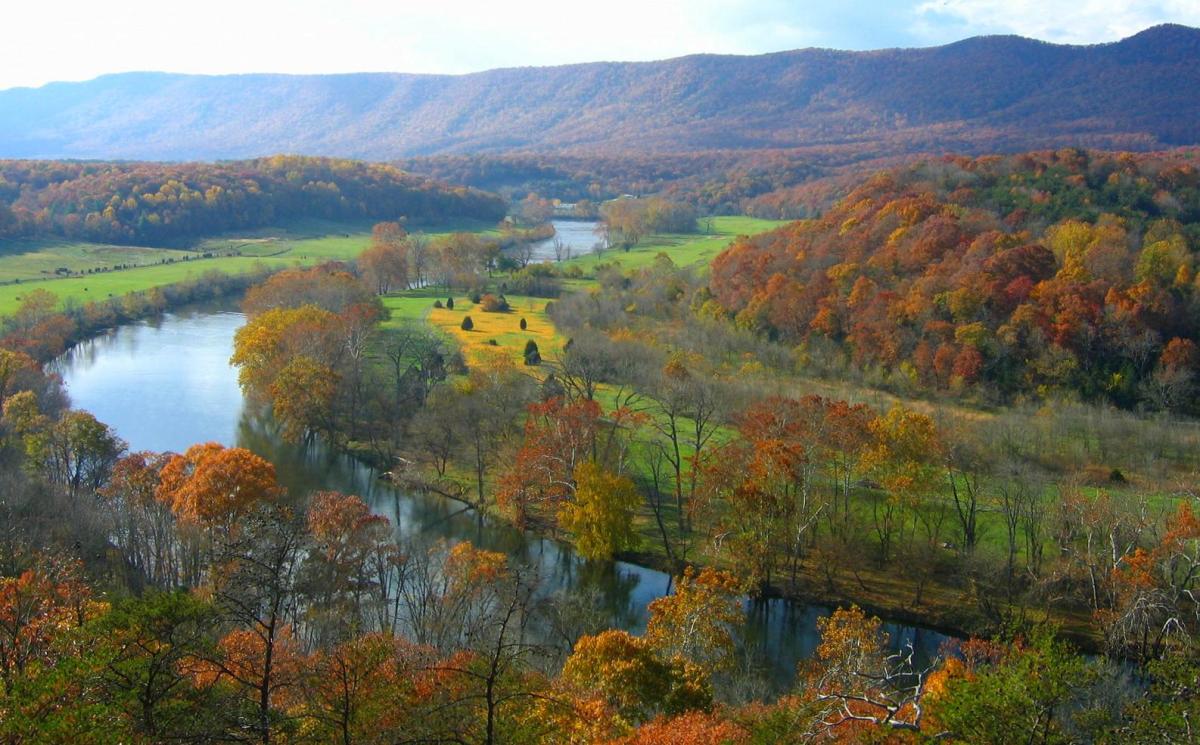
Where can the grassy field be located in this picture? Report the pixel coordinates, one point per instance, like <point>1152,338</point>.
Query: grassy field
<point>28,260</point>
<point>502,328</point>
<point>23,264</point>
<point>684,249</point>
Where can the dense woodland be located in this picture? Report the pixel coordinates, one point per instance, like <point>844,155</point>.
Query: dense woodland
<point>721,182</point>
<point>168,204</point>
<point>1010,276</point>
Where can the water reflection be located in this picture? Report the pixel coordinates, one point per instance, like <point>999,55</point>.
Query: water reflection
<point>577,236</point>
<point>168,385</point>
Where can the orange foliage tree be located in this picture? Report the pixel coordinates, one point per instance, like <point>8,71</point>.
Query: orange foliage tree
<point>212,484</point>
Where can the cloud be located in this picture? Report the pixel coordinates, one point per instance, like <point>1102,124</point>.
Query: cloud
<point>1061,21</point>
<point>74,40</point>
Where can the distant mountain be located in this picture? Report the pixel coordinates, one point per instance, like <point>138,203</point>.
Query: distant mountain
<point>981,94</point>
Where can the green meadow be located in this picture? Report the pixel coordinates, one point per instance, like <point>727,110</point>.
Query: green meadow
<point>684,249</point>
<point>27,264</point>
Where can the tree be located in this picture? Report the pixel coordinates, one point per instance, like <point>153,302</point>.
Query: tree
<point>699,621</point>
<point>600,515</point>
<point>531,354</point>
<point>853,681</point>
<point>253,586</point>
<point>686,408</point>
<point>369,688</point>
<point>328,287</point>
<point>384,264</point>
<point>625,671</point>
<point>215,485</point>
<point>78,451</point>
<point>144,526</point>
<point>467,324</point>
<point>690,728</point>
<point>559,437</point>
<point>302,398</point>
<point>350,576</point>
<point>487,405</point>
<point>272,339</point>
<point>145,652</point>
<point>1024,695</point>
<point>36,607</point>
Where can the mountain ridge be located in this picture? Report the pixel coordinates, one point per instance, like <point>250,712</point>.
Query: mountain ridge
<point>974,95</point>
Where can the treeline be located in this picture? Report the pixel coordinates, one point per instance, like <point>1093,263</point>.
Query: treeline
<point>166,204</point>
<point>1011,276</point>
<point>716,182</point>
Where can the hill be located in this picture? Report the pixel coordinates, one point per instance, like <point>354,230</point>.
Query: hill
<point>166,204</point>
<point>981,94</point>
<point>1014,277</point>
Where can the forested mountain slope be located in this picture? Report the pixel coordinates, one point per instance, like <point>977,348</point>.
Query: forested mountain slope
<point>981,94</point>
<point>1067,270</point>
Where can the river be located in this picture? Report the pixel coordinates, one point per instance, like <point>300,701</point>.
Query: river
<point>166,384</point>
<point>578,236</point>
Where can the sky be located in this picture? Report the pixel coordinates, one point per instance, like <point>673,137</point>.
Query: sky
<point>49,40</point>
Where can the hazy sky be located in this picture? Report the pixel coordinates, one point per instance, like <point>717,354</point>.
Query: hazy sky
<point>45,40</point>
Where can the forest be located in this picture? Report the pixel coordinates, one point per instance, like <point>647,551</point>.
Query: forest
<point>161,204</point>
<point>999,277</point>
<point>715,182</point>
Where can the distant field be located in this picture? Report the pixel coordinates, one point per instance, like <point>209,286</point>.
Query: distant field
<point>504,328</point>
<point>684,249</point>
<point>32,263</point>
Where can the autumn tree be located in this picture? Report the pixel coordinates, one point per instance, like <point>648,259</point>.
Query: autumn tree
<point>253,584</point>
<point>350,575</point>
<point>600,514</point>
<point>559,436</point>
<point>627,673</point>
<point>487,405</point>
<point>700,620</point>
<point>384,265</point>
<point>77,451</point>
<point>143,525</point>
<point>36,607</point>
<point>368,688</point>
<point>215,485</point>
<point>854,681</point>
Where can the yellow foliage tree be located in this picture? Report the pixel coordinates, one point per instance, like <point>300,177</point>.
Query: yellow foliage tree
<point>601,514</point>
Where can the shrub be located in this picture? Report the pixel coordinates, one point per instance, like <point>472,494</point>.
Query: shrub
<point>450,303</point>
<point>467,323</point>
<point>493,343</point>
<point>524,325</point>
<point>474,297</point>
<point>532,355</point>
<point>437,303</point>
<point>491,304</point>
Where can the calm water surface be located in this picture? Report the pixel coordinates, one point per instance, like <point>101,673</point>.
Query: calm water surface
<point>577,235</point>
<point>167,384</point>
